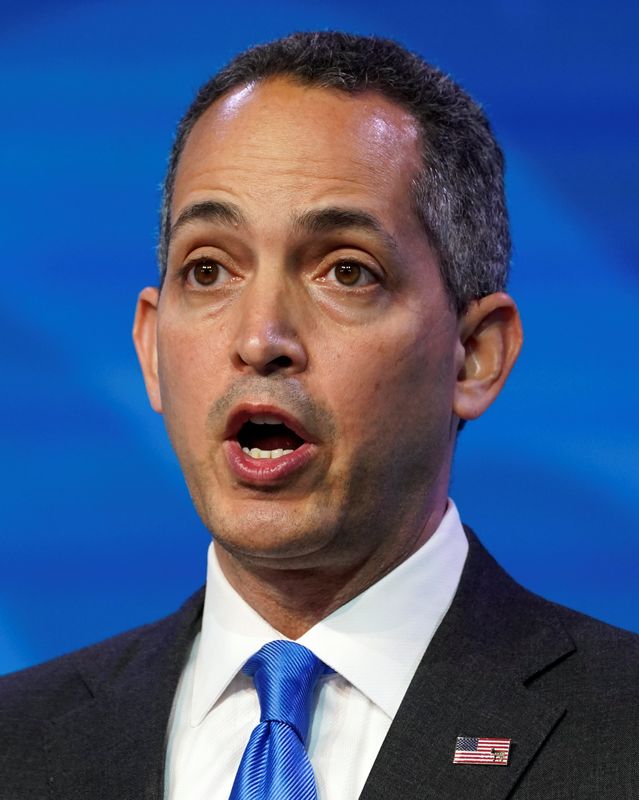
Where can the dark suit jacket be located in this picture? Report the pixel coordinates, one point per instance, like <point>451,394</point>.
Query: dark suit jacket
<point>504,663</point>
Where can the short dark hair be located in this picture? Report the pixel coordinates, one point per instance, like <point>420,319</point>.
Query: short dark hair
<point>458,195</point>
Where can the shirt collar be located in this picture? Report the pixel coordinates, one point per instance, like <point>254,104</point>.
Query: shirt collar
<point>375,641</point>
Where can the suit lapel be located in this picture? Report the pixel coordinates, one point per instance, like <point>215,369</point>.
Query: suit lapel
<point>112,745</point>
<point>472,682</point>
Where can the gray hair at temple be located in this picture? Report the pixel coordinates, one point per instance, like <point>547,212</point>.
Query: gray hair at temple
<point>458,195</point>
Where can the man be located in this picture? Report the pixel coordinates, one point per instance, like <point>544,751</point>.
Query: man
<point>333,254</point>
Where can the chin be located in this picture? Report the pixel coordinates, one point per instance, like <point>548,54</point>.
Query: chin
<point>269,532</point>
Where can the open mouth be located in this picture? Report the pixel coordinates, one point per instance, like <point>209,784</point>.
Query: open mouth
<point>265,448</point>
<point>266,436</point>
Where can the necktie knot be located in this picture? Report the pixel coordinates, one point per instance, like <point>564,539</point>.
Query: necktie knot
<point>285,676</point>
<point>275,764</point>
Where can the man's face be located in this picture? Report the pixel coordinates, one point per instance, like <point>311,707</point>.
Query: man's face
<point>303,311</point>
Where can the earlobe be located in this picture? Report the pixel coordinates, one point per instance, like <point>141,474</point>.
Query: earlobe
<point>490,338</point>
<point>146,345</point>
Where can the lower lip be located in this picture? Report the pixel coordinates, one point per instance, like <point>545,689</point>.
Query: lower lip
<point>266,471</point>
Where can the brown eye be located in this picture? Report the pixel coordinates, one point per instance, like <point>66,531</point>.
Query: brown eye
<point>205,272</point>
<point>348,273</point>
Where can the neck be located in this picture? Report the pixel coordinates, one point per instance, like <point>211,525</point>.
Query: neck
<point>293,599</point>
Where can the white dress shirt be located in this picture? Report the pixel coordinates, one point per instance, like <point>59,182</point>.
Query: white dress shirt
<point>374,643</point>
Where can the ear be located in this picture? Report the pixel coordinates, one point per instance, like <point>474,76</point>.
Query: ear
<point>146,342</point>
<point>491,338</point>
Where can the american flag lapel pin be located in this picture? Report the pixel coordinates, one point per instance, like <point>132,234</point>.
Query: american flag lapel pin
<point>478,750</point>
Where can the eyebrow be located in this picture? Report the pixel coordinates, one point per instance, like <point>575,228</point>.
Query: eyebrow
<point>336,218</point>
<point>209,211</point>
<point>315,221</point>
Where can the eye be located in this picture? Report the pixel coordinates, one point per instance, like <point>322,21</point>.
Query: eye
<point>205,271</point>
<point>351,273</point>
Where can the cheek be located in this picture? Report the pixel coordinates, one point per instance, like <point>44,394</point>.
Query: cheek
<point>188,379</point>
<point>392,383</point>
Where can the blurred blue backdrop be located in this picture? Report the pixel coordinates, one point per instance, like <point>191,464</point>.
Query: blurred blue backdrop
<point>98,533</point>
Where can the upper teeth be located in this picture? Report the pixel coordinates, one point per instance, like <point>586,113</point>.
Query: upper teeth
<point>265,419</point>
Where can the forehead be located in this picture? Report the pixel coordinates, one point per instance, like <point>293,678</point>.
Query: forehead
<point>280,138</point>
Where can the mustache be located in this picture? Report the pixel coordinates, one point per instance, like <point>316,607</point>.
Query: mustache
<point>284,392</point>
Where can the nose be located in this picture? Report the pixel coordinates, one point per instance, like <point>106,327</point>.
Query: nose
<point>267,338</point>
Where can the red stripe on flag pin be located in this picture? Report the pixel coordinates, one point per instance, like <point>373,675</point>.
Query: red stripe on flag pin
<point>478,750</point>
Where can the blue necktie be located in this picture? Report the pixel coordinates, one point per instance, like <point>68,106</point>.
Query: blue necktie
<point>275,765</point>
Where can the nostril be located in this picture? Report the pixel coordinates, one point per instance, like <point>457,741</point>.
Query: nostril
<point>270,351</point>
<point>281,362</point>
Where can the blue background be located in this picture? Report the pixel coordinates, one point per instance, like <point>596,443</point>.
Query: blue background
<point>98,533</point>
